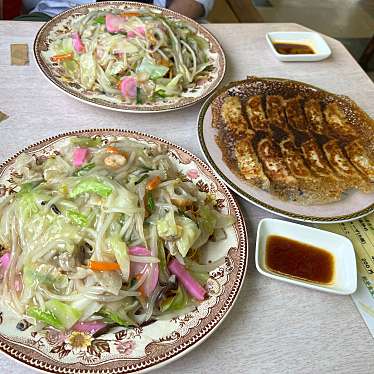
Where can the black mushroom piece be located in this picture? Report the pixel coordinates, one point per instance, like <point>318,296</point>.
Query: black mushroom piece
<point>23,325</point>
<point>53,207</point>
<point>172,284</point>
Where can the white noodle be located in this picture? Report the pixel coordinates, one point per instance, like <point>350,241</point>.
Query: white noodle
<point>144,259</point>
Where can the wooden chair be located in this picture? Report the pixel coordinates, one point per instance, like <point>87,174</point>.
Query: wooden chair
<point>245,11</point>
<point>10,9</point>
<point>232,11</point>
<point>367,55</point>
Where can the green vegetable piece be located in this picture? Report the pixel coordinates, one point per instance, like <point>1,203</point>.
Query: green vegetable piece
<point>138,96</point>
<point>77,218</point>
<point>176,302</point>
<point>141,179</point>
<point>161,93</point>
<point>201,42</point>
<point>91,185</point>
<point>84,169</point>
<point>89,72</point>
<point>113,317</point>
<point>65,314</point>
<point>201,276</point>
<point>27,201</point>
<point>154,71</point>
<point>190,232</point>
<point>85,141</point>
<point>25,187</point>
<point>209,219</point>
<point>62,46</point>
<point>28,276</point>
<point>207,222</point>
<point>120,251</point>
<point>44,274</point>
<point>167,228</point>
<point>46,317</point>
<point>150,202</point>
<point>99,20</point>
<point>174,86</point>
<point>71,67</point>
<point>162,256</point>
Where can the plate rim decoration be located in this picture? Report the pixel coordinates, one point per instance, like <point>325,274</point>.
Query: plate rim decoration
<point>247,195</point>
<point>180,344</point>
<point>175,104</point>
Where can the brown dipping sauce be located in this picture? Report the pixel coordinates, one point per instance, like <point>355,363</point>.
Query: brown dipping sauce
<point>293,49</point>
<point>299,260</point>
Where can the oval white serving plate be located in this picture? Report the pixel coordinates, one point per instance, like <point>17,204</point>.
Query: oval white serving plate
<point>353,205</point>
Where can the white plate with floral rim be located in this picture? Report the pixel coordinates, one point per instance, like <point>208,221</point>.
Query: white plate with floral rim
<point>62,24</point>
<point>147,347</point>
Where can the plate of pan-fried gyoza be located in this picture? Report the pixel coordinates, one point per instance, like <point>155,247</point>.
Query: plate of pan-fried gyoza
<point>291,148</point>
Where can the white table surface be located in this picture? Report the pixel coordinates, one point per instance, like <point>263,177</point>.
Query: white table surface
<point>274,327</point>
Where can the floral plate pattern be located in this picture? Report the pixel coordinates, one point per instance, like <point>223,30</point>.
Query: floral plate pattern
<point>146,347</point>
<point>63,22</point>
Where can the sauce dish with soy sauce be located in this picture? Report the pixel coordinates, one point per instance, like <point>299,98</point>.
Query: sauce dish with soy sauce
<point>298,46</point>
<point>306,256</point>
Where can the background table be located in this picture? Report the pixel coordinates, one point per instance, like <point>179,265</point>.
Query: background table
<point>274,327</point>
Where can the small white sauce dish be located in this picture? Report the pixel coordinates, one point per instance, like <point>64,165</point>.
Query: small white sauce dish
<point>312,39</point>
<point>345,271</point>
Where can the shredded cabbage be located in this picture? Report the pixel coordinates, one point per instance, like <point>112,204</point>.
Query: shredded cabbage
<point>166,57</point>
<point>96,241</point>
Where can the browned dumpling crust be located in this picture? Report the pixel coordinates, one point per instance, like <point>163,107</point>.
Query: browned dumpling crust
<point>256,114</point>
<point>360,158</point>
<point>234,118</point>
<point>295,160</point>
<point>273,162</point>
<point>295,114</point>
<point>249,165</point>
<point>315,158</point>
<point>314,116</point>
<point>337,122</point>
<point>275,112</point>
<point>297,148</point>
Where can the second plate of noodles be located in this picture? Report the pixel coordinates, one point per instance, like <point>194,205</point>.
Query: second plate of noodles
<point>128,56</point>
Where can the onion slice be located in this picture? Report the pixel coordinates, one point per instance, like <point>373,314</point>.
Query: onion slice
<point>137,268</point>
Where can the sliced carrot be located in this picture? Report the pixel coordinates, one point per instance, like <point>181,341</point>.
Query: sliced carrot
<point>164,62</point>
<point>153,183</point>
<point>103,266</point>
<point>131,14</point>
<point>65,56</point>
<point>115,150</point>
